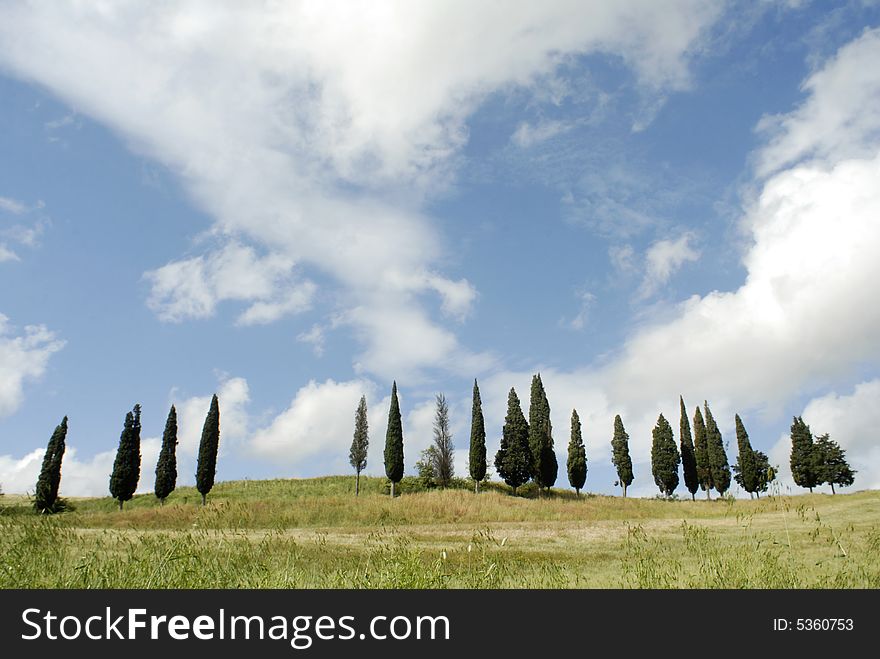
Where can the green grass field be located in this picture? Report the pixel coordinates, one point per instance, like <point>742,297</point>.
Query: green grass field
<point>314,533</point>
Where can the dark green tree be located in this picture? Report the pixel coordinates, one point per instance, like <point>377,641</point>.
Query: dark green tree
<point>688,457</point>
<point>166,467</point>
<point>804,463</point>
<point>394,442</point>
<point>620,455</point>
<point>513,459</point>
<point>357,455</point>
<point>577,455</point>
<point>664,457</point>
<point>766,473</point>
<point>444,454</point>
<point>206,468</point>
<point>477,455</point>
<point>717,455</point>
<point>833,467</point>
<point>127,465</point>
<point>46,493</point>
<point>745,471</point>
<point>701,453</point>
<point>544,465</point>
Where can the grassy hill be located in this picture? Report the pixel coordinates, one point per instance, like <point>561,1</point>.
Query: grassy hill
<point>315,533</point>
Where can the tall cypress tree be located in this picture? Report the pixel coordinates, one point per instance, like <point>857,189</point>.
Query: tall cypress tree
<point>804,465</point>
<point>394,442</point>
<point>46,493</point>
<point>688,457</point>
<point>577,455</point>
<point>833,467</point>
<point>718,464</point>
<point>544,464</point>
<point>208,447</point>
<point>357,455</point>
<point>477,454</point>
<point>127,465</point>
<point>513,459</point>
<point>701,453</point>
<point>166,468</point>
<point>664,457</point>
<point>746,468</point>
<point>443,456</point>
<point>620,455</point>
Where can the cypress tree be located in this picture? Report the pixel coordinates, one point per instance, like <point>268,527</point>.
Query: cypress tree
<point>357,455</point>
<point>688,458</point>
<point>577,455</point>
<point>208,447</point>
<point>444,452</point>
<point>833,467</point>
<point>394,442</point>
<point>166,468</point>
<point>746,467</point>
<point>765,473</point>
<point>46,493</point>
<point>127,465</point>
<point>620,455</point>
<point>664,457</point>
<point>544,468</point>
<point>477,454</point>
<point>804,467</point>
<point>701,454</point>
<point>513,459</point>
<point>717,455</point>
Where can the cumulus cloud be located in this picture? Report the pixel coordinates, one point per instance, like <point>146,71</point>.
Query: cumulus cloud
<point>7,254</point>
<point>838,119</point>
<point>23,358</point>
<point>663,259</point>
<point>13,206</point>
<point>317,426</point>
<point>193,287</point>
<point>318,131</point>
<point>79,478</point>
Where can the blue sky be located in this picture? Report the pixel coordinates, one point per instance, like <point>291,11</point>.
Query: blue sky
<point>293,206</point>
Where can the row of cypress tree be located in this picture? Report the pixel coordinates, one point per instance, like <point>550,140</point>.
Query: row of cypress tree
<point>127,464</point>
<point>527,450</point>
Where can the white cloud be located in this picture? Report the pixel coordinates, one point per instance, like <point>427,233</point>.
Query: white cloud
<point>527,134</point>
<point>317,130</point>
<point>586,300</point>
<point>839,119</point>
<point>233,396</point>
<point>192,288</point>
<point>22,358</point>
<point>663,259</point>
<point>79,478</point>
<point>7,254</point>
<point>13,206</point>
<point>315,337</point>
<point>852,421</point>
<point>318,425</point>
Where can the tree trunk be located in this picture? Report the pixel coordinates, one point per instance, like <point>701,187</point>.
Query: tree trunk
<point>832,488</point>
<point>357,485</point>
<point>161,502</point>
<point>811,490</point>
<point>758,494</point>
<point>577,492</point>
<point>120,504</point>
<point>392,489</point>
<point>708,494</point>
<point>204,499</point>
<point>624,490</point>
<point>693,497</point>
<point>476,487</point>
